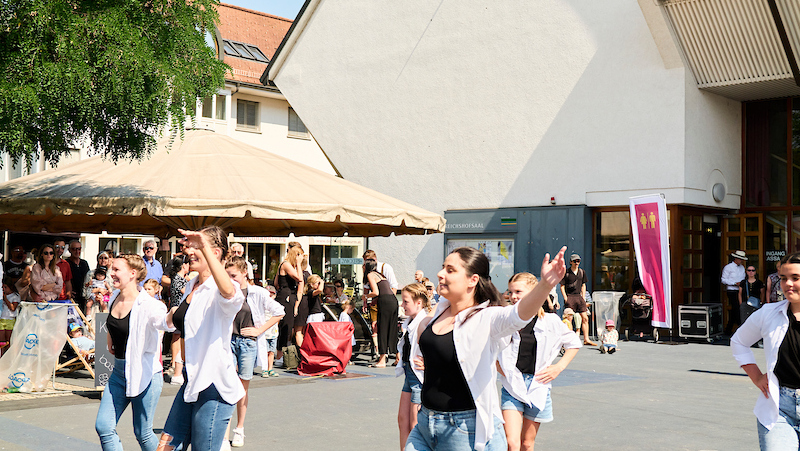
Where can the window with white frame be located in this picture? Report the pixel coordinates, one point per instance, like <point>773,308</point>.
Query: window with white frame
<point>296,127</point>
<point>247,115</point>
<point>214,105</point>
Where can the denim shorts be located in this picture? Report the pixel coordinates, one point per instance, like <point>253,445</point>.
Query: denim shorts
<point>272,344</point>
<point>412,384</point>
<point>784,434</point>
<point>451,431</point>
<point>508,402</point>
<point>245,351</point>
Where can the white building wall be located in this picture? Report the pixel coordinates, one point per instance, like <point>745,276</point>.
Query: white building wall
<point>272,134</point>
<point>482,105</point>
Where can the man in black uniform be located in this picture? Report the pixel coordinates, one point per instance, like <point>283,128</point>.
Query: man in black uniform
<point>573,288</point>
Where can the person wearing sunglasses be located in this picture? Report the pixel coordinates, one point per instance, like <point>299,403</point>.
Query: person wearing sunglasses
<point>573,288</point>
<point>751,293</point>
<point>80,269</point>
<point>46,280</point>
<point>154,268</point>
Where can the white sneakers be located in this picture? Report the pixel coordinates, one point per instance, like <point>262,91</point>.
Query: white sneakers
<point>177,380</point>
<point>278,363</point>
<point>226,446</point>
<point>238,437</point>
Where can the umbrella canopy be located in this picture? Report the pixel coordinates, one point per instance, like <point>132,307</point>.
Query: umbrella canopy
<point>206,179</point>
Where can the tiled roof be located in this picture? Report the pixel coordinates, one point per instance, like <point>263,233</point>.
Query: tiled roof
<point>265,31</point>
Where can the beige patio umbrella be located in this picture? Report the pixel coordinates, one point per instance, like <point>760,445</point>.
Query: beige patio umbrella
<point>205,179</point>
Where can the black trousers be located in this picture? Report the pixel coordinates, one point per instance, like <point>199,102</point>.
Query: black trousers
<point>387,323</point>
<point>734,316</point>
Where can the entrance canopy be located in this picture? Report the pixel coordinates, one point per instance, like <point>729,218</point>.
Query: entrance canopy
<point>206,179</point>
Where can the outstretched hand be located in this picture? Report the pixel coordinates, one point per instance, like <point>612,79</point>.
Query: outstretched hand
<point>193,239</point>
<point>553,270</point>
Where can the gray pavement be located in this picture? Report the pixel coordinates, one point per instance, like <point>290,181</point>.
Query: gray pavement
<point>645,397</point>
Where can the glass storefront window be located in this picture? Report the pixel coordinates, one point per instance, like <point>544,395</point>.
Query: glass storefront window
<point>500,253</point>
<point>766,153</point>
<point>612,250</point>
<point>775,242</point>
<point>254,253</point>
<point>796,152</point>
<point>315,257</point>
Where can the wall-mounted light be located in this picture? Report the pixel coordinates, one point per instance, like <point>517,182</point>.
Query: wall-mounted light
<point>553,200</point>
<point>718,192</point>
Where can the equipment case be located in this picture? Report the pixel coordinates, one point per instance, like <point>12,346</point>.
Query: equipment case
<point>700,321</point>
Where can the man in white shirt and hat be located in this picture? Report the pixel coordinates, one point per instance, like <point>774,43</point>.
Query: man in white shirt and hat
<point>732,275</point>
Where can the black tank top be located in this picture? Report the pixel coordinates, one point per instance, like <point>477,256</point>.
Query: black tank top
<point>244,318</point>
<point>119,329</point>
<point>179,316</point>
<point>445,389</point>
<point>526,358</point>
<point>787,366</point>
<point>286,282</point>
<point>314,304</point>
<point>384,289</point>
<point>406,349</point>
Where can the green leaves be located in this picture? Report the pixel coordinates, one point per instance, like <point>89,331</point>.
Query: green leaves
<point>112,73</point>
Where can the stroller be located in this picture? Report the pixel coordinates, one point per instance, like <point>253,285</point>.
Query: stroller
<point>641,305</point>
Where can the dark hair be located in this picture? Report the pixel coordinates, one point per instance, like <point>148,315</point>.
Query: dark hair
<point>369,266</point>
<point>7,280</point>
<point>476,262</point>
<point>175,266</point>
<point>792,259</point>
<point>218,239</point>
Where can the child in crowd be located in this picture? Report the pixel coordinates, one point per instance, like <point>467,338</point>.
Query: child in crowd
<point>347,310</point>
<point>8,313</point>
<point>416,305</point>
<point>568,318</point>
<point>101,288</point>
<point>609,338</point>
<point>152,287</point>
<point>271,337</point>
<point>85,345</point>
<point>528,369</point>
<point>258,314</point>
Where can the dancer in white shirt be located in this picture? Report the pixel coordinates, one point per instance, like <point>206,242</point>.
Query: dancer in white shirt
<point>527,369</point>
<point>204,404</point>
<point>460,348</point>
<point>778,324</point>
<point>134,321</point>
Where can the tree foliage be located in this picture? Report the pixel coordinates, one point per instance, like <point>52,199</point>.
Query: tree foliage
<point>111,73</point>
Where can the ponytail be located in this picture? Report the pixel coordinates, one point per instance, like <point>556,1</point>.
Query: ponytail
<point>476,262</point>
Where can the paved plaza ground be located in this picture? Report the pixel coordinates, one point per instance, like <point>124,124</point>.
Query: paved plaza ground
<point>645,397</point>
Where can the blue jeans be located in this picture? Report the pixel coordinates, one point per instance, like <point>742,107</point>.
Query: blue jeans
<point>114,402</point>
<point>451,431</point>
<point>245,352</point>
<point>412,384</point>
<point>784,434</point>
<point>201,423</point>
<point>508,402</point>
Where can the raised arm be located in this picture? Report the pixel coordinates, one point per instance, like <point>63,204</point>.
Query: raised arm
<point>552,273</point>
<point>199,241</point>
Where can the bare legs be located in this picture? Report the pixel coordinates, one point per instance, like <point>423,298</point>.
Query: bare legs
<point>406,417</point>
<point>520,431</point>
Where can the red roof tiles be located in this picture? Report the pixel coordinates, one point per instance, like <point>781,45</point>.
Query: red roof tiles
<point>265,31</point>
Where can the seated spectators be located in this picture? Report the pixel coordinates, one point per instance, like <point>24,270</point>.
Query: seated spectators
<point>85,345</point>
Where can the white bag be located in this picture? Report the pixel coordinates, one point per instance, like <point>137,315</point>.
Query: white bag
<point>38,338</point>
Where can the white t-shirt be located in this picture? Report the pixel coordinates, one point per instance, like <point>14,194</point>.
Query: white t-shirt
<point>7,313</point>
<point>345,318</point>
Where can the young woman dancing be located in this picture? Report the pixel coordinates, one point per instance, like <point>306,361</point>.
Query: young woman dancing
<point>460,347</point>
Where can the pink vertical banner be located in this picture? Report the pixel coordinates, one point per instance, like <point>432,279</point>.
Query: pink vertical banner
<point>651,243</point>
